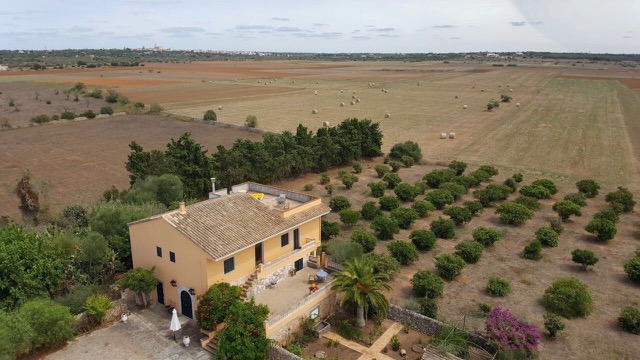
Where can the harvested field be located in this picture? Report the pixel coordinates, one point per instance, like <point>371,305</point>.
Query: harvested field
<point>79,160</point>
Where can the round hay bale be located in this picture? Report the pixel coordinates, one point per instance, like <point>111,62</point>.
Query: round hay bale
<point>341,104</point>
<point>294,81</point>
<point>457,96</point>
<point>499,86</point>
<point>443,135</point>
<point>382,90</point>
<point>317,82</point>
<point>517,104</point>
<point>220,107</point>
<point>353,97</point>
<point>353,103</point>
<point>387,116</point>
<point>386,91</point>
<point>315,93</point>
<point>314,111</point>
<point>482,90</point>
<point>258,81</point>
<point>341,91</point>
<point>275,79</point>
<point>464,106</point>
<point>325,124</point>
<point>418,83</point>
<point>354,92</point>
<point>511,90</point>
<point>452,135</point>
<point>357,100</point>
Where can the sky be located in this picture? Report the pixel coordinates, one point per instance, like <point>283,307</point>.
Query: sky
<point>383,26</point>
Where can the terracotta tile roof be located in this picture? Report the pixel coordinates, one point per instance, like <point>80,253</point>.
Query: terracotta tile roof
<point>228,224</point>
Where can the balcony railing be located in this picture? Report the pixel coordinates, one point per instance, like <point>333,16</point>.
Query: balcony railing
<point>309,245</point>
<point>276,319</point>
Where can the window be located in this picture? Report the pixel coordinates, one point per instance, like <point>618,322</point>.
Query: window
<point>159,251</point>
<point>229,265</point>
<point>284,240</point>
<point>314,313</point>
<point>296,239</point>
<point>172,256</point>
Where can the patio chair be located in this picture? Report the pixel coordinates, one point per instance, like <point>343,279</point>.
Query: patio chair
<point>312,279</point>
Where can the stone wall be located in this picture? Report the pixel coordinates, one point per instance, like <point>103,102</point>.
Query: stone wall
<point>278,353</point>
<point>232,126</point>
<point>286,334</point>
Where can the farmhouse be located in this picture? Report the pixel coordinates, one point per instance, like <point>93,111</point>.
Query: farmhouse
<point>255,236</point>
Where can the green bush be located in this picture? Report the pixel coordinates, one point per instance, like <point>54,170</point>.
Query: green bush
<point>389,203</point>
<point>349,217</point>
<point>632,268</point>
<point>383,264</point>
<point>357,168</point>
<point>366,239</point>
<point>531,203</point>
<point>517,177</point>
<point>585,258</point>
<point>395,166</point>
<point>604,229</point>
<point>566,208</point>
<point>406,192</point>
<point>428,307</point>
<point>377,188</point>
<point>547,184</point>
<point>68,115</point>
<point>308,187</point>
<point>423,239</point>
<point>405,217</point>
<point>547,236</point>
<point>452,339</point>
<point>404,252</point>
<point>89,114</point>
<point>588,187</point>
<point>553,323</point>
<point>623,197</point>
<point>439,198</point>
<point>535,191</point>
<point>486,235</point>
<point>77,297</point>
<point>514,214</point>
<point>324,179</point>
<point>338,203</point>
<point>480,176</point>
<point>342,251</point>
<point>459,215</point>
<point>438,176</point>
<point>458,167</point>
<point>55,117</point>
<point>210,115</point>
<point>497,286</point>
<point>568,297</point>
<point>348,180</point>
<point>395,343</point>
<point>456,190</point>
<point>491,170</point>
<point>469,251</point>
<point>449,266</point>
<point>349,331</point>
<point>40,119</point>
<point>409,148</point>
<point>385,227</point>
<point>474,207</point>
<point>491,194</point>
<point>578,199</point>
<point>629,319</point>
<point>370,210</point>
<point>466,181</point>
<point>607,214</point>
<point>533,251</point>
<point>294,348</point>
<point>329,229</point>
<point>381,170</point>
<point>408,161</point>
<point>97,306</point>
<point>422,207</point>
<point>556,225</point>
<point>443,228</point>
<point>511,183</point>
<point>52,324</point>
<point>427,284</point>
<point>392,179</point>
<point>106,110</point>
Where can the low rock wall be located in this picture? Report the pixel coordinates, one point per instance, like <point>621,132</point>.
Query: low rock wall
<point>278,353</point>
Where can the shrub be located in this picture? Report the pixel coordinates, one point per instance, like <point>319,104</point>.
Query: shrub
<point>584,257</point>
<point>423,239</point>
<point>329,229</point>
<point>370,210</point>
<point>427,284</point>
<point>443,228</point>
<point>517,177</point>
<point>566,208</point>
<point>604,229</point>
<point>48,102</point>
<point>588,187</point>
<point>514,214</point>
<point>408,161</point>
<point>607,214</point>
<point>40,119</point>
<point>324,179</point>
<point>438,176</point>
<point>623,197</point>
<point>68,115</point>
<point>568,297</point>
<point>342,251</point>
<point>349,217</point>
<point>383,264</point>
<point>484,308</point>
<point>251,121</point>
<point>428,307</point>
<point>357,168</point>
<point>348,180</point>
<point>497,286</point>
<point>389,203</point>
<point>449,266</point>
<point>533,251</point>
<point>377,188</point>
<point>97,306</point>
<point>547,236</point>
<point>349,331</point>
<point>535,191</point>
<point>89,114</point>
<point>632,268</point>
<point>213,305</point>
<point>491,170</point>
<point>77,297</point>
<point>491,194</point>
<point>451,339</point>
<point>385,227</point>
<point>556,225</point>
<point>459,215</point>
<point>395,166</point>
<point>469,251</point>
<point>392,180</point>
<point>404,252</point>
<point>578,199</point>
<point>405,217</point>
<point>466,181</point>
<point>531,203</point>
<point>480,176</point>
<point>511,183</point>
<point>439,198</point>
<point>155,109</point>
<point>338,203</point>
<point>505,98</point>
<point>106,110</point>
<point>547,184</point>
<point>409,148</point>
<point>329,189</point>
<point>295,349</point>
<point>474,207</point>
<point>308,187</point>
<point>422,207</point>
<point>486,235</point>
<point>458,167</point>
<point>514,339</point>
<point>406,192</point>
<point>366,239</point>
<point>553,323</point>
<point>381,170</point>
<point>210,115</point>
<point>51,323</point>
<point>55,117</point>
<point>395,343</point>
<point>629,319</point>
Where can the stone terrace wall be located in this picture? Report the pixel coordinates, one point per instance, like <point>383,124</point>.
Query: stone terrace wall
<point>278,353</point>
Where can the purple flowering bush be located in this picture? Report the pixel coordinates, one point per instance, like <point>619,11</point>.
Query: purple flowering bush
<point>509,334</point>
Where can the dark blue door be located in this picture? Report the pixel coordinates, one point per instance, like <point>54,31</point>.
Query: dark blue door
<point>185,302</point>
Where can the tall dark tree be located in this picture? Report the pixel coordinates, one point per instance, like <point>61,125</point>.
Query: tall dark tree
<point>191,164</point>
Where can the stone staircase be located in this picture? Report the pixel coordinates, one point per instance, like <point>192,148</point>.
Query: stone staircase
<point>247,286</point>
<point>212,346</point>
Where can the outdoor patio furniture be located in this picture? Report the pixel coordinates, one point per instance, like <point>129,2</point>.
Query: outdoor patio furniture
<point>312,279</point>
<point>321,275</point>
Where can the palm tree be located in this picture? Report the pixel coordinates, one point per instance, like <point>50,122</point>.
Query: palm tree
<point>359,285</point>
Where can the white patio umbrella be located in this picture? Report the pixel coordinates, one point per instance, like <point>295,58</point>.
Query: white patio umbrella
<point>175,323</point>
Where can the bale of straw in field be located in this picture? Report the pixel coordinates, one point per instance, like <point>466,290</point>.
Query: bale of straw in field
<point>387,116</point>
<point>457,96</point>
<point>220,107</point>
<point>517,104</point>
<point>482,90</point>
<point>353,103</point>
<point>315,93</point>
<point>317,82</point>
<point>383,90</point>
<point>499,86</point>
<point>357,100</point>
<point>341,104</point>
<point>452,135</point>
<point>258,81</point>
<point>386,91</point>
<point>341,91</point>
<point>325,124</point>
<point>511,90</point>
<point>353,96</point>
<point>314,111</point>
<point>294,81</point>
<point>464,106</point>
<point>354,92</point>
<point>443,135</point>
<point>418,83</point>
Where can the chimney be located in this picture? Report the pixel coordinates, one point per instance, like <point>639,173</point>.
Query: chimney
<point>213,185</point>
<point>183,208</point>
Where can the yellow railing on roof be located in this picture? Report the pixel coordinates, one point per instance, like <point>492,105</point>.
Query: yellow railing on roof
<point>258,196</point>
